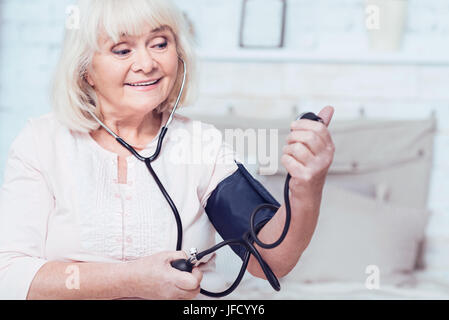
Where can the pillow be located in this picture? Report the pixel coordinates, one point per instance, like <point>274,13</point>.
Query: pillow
<point>436,245</point>
<point>354,232</point>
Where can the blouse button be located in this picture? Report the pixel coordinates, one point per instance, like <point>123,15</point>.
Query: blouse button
<point>122,213</point>
<point>117,195</point>
<point>129,239</point>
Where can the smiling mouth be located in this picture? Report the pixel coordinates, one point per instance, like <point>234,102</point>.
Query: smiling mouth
<point>144,84</point>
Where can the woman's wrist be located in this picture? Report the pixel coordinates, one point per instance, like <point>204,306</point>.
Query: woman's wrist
<point>126,280</point>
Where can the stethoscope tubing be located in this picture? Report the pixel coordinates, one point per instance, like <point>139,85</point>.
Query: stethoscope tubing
<point>170,202</point>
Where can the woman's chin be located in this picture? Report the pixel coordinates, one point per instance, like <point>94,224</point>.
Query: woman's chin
<point>144,108</point>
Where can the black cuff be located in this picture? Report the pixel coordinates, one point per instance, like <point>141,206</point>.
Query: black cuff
<point>231,204</point>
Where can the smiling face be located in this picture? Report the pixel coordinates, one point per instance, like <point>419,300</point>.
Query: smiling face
<point>135,75</point>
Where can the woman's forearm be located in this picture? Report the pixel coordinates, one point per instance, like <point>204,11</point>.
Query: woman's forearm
<point>64,280</point>
<point>307,157</point>
<point>283,258</point>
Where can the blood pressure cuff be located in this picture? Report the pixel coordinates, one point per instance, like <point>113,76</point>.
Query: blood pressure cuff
<point>231,204</point>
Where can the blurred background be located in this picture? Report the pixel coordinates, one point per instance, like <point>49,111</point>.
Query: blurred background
<point>383,65</point>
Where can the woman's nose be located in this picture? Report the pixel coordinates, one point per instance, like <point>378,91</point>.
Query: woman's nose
<point>143,61</point>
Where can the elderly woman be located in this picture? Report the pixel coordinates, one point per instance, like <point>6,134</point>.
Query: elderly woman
<point>82,218</point>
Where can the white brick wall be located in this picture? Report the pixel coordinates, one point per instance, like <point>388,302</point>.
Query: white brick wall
<point>31,33</point>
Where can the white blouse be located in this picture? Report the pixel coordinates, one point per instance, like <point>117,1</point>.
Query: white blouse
<point>60,199</point>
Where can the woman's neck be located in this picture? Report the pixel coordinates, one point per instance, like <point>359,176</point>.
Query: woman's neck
<point>137,130</point>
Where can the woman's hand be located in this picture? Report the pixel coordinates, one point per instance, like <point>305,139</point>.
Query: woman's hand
<point>153,277</point>
<point>308,155</point>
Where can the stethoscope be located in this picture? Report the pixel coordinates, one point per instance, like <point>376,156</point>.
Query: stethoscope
<point>247,239</point>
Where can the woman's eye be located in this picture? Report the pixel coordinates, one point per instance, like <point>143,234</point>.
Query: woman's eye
<point>162,45</point>
<point>122,52</point>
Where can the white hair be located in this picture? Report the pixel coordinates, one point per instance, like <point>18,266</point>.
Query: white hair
<point>72,95</point>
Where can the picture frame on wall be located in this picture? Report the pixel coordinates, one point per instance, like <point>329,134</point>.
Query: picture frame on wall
<point>262,24</point>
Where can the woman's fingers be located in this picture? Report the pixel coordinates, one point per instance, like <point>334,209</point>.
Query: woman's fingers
<point>318,128</point>
<point>295,168</point>
<point>187,284</point>
<point>308,138</point>
<point>309,150</point>
<point>300,152</point>
<point>191,293</point>
<point>326,114</point>
<point>197,274</point>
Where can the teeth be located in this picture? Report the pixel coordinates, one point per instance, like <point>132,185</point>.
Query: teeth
<point>143,84</point>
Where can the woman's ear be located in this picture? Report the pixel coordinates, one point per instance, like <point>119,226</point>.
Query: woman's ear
<point>88,79</point>
<point>85,74</point>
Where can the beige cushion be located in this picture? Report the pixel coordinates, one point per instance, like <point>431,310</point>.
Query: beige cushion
<point>355,231</point>
<point>392,158</point>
